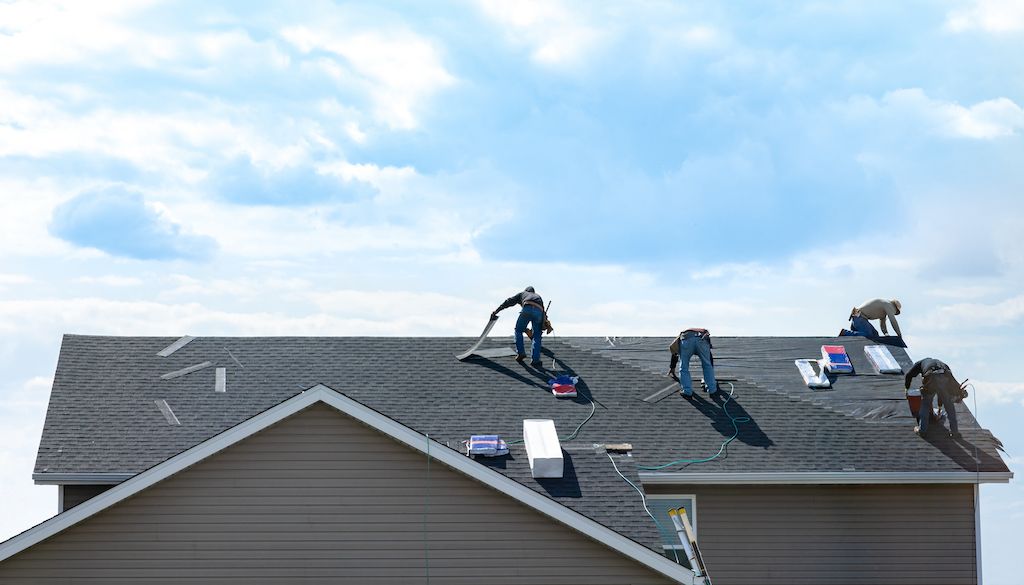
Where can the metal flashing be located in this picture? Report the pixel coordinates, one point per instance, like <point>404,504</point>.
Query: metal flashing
<point>185,371</point>
<point>167,412</point>
<point>825,477</point>
<point>175,346</point>
<point>381,423</point>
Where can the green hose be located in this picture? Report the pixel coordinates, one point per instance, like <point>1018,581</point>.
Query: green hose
<point>735,420</point>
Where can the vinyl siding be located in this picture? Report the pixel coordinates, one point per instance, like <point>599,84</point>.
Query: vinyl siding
<point>835,535</point>
<point>320,498</point>
<point>76,494</point>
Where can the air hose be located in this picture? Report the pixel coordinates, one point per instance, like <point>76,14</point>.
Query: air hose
<point>735,420</point>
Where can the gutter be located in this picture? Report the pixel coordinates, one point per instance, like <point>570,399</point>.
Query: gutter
<point>825,477</point>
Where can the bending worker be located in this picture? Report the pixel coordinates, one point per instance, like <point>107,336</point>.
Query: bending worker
<point>938,379</point>
<point>531,314</point>
<point>880,309</point>
<point>689,342</point>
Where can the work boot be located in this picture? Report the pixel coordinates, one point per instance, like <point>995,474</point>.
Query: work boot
<point>917,429</point>
<point>537,364</point>
<point>520,358</point>
<point>955,435</point>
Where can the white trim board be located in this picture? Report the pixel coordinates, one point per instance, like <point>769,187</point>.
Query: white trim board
<point>823,477</point>
<point>375,420</point>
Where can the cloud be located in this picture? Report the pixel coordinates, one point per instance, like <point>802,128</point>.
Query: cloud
<point>993,16</point>
<point>976,315</point>
<point>110,280</point>
<point>121,223</point>
<point>989,393</point>
<point>555,34</point>
<point>985,120</point>
<point>243,181</point>
<point>400,69</point>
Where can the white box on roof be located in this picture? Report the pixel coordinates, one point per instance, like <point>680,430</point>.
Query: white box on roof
<point>881,359</point>
<point>542,447</point>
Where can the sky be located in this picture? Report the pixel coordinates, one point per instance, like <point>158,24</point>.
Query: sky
<point>399,168</point>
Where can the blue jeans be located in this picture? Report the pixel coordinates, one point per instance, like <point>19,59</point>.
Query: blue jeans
<point>530,315</point>
<point>861,326</point>
<point>924,415</point>
<point>694,344</point>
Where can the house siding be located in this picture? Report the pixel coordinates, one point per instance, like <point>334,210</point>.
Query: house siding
<point>76,494</point>
<point>835,535</point>
<point>321,498</point>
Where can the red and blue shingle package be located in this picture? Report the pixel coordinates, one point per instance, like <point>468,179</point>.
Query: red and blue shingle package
<point>564,386</point>
<point>836,360</point>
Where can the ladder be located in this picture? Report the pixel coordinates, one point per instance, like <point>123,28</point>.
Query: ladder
<point>685,533</point>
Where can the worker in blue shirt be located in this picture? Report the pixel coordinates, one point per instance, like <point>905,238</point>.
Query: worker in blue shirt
<point>532,313</point>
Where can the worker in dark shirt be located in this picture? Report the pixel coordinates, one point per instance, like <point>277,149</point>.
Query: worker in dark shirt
<point>937,380</point>
<point>531,314</point>
<point>692,341</point>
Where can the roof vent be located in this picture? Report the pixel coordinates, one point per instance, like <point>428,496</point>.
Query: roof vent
<point>542,448</point>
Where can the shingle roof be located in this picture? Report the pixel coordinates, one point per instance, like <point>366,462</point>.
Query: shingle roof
<point>102,416</point>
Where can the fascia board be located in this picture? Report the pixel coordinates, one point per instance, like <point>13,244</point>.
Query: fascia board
<point>825,478</point>
<point>378,421</point>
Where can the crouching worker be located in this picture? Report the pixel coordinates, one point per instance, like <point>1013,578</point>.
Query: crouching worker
<point>689,342</point>
<point>937,380</point>
<point>859,326</point>
<point>531,314</point>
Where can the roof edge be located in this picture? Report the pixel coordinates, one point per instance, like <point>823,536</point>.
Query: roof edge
<point>81,478</point>
<point>383,424</point>
<point>826,477</point>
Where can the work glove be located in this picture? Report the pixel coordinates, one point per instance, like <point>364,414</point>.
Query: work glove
<point>494,315</point>
<point>672,373</point>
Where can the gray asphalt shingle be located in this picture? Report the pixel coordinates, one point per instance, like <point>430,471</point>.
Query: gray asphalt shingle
<point>102,416</point>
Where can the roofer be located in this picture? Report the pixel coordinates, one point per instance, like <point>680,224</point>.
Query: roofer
<point>531,314</point>
<point>689,342</point>
<point>880,309</point>
<point>937,379</point>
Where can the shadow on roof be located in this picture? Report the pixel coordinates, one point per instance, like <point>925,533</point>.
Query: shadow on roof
<point>714,408</point>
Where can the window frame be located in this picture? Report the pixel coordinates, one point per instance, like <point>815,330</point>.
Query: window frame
<point>693,521</point>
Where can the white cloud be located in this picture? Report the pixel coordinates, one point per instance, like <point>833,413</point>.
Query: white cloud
<point>110,280</point>
<point>400,69</point>
<point>985,120</point>
<point>993,393</point>
<point>994,16</point>
<point>14,279</point>
<point>974,315</point>
<point>56,32</point>
<point>556,34</point>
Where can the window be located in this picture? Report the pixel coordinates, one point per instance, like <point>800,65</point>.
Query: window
<point>659,506</point>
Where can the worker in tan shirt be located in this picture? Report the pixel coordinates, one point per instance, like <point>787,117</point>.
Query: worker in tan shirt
<point>882,310</point>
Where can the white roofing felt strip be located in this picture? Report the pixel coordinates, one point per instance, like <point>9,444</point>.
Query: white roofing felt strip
<point>824,477</point>
<point>376,420</point>
<point>479,341</point>
<point>183,371</point>
<point>166,410</point>
<point>175,346</point>
<point>221,385</point>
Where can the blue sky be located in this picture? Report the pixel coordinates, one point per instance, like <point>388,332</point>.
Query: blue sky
<point>397,168</point>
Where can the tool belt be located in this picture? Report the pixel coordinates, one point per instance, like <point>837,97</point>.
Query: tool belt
<point>942,381</point>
